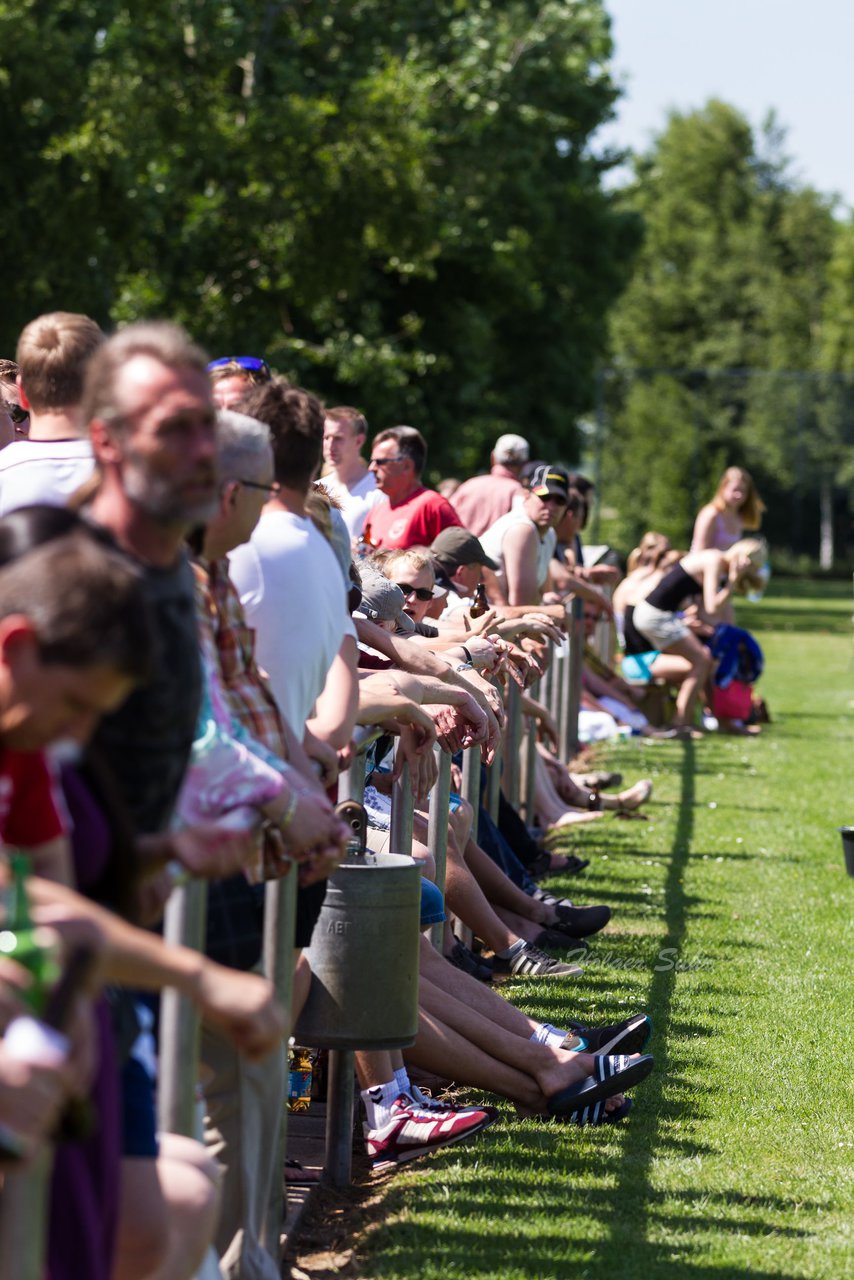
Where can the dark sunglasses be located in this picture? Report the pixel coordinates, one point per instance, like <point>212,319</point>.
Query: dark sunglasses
<point>252,363</point>
<point>383,462</point>
<point>420,593</point>
<point>272,488</point>
<point>15,412</point>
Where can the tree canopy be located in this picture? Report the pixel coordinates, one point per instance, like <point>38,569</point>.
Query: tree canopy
<point>399,206</point>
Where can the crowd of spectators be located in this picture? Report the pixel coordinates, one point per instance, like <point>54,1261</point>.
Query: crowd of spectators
<point>208,579</point>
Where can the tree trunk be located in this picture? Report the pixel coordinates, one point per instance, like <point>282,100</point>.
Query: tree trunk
<point>825,554</point>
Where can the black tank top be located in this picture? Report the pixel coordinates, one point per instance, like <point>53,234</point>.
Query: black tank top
<point>675,587</point>
<point>635,642</point>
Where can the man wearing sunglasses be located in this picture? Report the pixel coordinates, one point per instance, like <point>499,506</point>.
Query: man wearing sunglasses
<point>412,515</point>
<point>523,541</point>
<point>53,352</point>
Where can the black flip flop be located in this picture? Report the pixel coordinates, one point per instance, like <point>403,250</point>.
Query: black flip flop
<point>610,1075</point>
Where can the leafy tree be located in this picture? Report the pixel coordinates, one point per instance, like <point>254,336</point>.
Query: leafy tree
<point>398,206</point>
<point>726,295</point>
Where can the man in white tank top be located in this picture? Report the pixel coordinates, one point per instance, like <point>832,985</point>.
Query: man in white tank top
<point>522,542</point>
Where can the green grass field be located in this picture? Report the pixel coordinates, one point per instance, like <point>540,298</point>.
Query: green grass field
<point>733,927</point>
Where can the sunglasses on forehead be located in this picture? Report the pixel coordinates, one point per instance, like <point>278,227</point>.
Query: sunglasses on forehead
<point>252,364</point>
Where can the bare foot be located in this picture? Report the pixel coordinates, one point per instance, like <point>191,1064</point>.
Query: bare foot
<point>572,816</point>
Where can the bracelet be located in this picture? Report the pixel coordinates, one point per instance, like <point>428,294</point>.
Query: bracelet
<point>288,816</point>
<point>464,666</point>
<point>468,655</point>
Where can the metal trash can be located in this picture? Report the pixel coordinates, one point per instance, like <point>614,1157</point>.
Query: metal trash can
<point>364,957</point>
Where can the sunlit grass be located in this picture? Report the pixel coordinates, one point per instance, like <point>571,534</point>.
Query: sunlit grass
<point>733,927</point>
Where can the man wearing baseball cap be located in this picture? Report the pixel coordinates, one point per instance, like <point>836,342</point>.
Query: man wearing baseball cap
<point>522,542</point>
<point>458,562</point>
<point>481,501</point>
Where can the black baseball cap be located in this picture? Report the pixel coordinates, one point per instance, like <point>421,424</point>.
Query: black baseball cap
<point>549,478</point>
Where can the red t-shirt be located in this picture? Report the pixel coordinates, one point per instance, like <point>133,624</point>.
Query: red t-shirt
<point>415,522</point>
<point>31,808</point>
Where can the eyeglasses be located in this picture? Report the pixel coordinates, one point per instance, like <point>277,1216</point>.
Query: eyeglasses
<point>251,363</point>
<point>383,462</point>
<point>420,593</point>
<point>15,412</point>
<point>273,488</point>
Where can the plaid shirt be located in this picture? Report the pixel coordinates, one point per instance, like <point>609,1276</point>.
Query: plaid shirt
<point>235,908</point>
<point>247,687</point>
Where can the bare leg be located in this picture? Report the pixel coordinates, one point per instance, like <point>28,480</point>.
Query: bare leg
<point>374,1067</point>
<point>701,663</point>
<point>169,1212</point>
<point>301,987</point>
<point>466,899</point>
<point>475,995</point>
<point>143,1228</point>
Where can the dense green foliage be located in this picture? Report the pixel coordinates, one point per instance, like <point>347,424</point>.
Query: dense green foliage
<point>397,204</point>
<point>729,343</point>
<point>733,927</point>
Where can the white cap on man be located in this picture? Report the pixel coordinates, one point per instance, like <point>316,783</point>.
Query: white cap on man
<point>510,449</point>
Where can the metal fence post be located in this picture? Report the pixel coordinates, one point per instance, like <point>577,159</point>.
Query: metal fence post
<point>184,925</point>
<point>573,682</point>
<point>340,1094</point>
<point>280,902</point>
<point>24,1220</point>
<point>528,780</point>
<point>437,831</point>
<point>558,691</point>
<point>512,744</point>
<point>471,784</point>
<point>401,813</point>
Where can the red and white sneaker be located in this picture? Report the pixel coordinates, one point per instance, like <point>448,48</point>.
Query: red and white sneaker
<point>424,1102</point>
<point>412,1131</point>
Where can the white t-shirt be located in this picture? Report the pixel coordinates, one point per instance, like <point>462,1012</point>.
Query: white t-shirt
<point>493,544</point>
<point>355,502</point>
<point>293,594</point>
<point>42,471</point>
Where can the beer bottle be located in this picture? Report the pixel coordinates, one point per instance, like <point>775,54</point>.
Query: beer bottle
<point>480,604</point>
<point>20,940</point>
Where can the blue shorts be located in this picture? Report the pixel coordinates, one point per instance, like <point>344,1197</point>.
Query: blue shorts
<point>138,1085</point>
<point>139,1119</point>
<point>432,904</point>
<point>638,666</point>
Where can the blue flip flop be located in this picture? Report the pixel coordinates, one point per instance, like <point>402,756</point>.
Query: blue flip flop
<point>610,1075</point>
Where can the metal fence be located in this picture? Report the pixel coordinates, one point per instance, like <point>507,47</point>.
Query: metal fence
<point>24,1205</point>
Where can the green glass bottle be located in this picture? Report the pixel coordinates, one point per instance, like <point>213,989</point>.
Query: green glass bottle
<point>20,940</point>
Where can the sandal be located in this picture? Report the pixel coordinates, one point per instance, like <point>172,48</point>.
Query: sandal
<point>627,1037</point>
<point>598,1115</point>
<point>610,1075</point>
<point>635,796</point>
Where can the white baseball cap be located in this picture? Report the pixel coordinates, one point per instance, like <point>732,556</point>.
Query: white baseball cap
<point>511,448</point>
